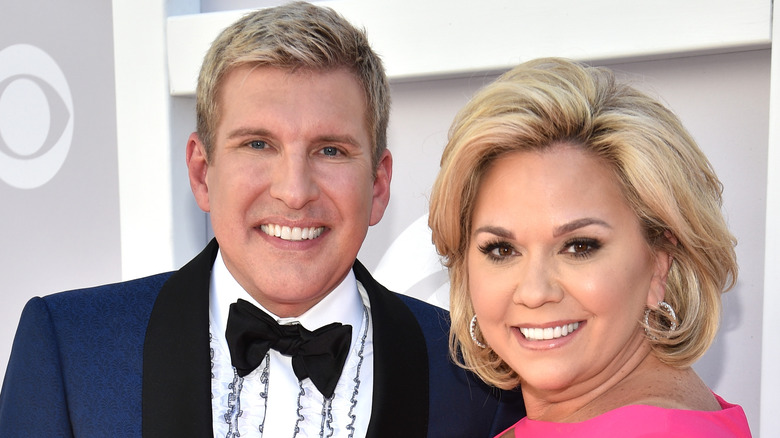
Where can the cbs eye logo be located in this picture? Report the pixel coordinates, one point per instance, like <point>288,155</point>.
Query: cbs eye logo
<point>36,116</point>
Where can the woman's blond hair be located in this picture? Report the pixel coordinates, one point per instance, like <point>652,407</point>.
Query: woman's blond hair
<point>665,178</point>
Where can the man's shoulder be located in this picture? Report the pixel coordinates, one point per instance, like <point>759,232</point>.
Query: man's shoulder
<point>425,312</point>
<point>137,294</point>
<point>93,319</point>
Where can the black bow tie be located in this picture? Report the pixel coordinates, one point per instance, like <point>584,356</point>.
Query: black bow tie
<point>319,355</point>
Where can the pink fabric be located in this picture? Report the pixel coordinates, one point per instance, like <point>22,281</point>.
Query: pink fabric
<point>638,421</point>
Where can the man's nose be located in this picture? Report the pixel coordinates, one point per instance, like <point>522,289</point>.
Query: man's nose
<point>293,182</point>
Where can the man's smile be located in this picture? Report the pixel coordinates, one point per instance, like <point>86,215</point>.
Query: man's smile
<point>294,233</point>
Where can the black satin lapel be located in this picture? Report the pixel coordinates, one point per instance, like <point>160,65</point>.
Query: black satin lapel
<point>400,400</point>
<point>176,395</point>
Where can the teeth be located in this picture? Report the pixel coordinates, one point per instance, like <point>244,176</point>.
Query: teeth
<point>539,334</point>
<point>294,233</point>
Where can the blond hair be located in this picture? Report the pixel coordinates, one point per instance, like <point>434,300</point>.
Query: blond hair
<point>665,178</point>
<point>295,36</point>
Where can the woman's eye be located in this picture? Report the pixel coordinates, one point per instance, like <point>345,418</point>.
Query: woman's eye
<point>497,251</point>
<point>581,247</point>
<point>502,251</point>
<point>258,144</point>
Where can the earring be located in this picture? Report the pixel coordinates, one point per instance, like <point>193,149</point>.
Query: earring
<point>473,330</point>
<point>665,311</point>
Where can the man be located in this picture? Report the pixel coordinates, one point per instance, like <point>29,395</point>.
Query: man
<point>290,161</point>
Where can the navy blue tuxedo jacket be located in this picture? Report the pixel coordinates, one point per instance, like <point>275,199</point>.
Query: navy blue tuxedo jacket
<point>132,359</point>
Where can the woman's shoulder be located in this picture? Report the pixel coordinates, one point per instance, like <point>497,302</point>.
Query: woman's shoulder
<point>645,421</point>
<point>727,420</point>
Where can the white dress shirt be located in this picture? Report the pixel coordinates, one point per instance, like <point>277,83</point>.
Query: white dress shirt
<point>277,413</point>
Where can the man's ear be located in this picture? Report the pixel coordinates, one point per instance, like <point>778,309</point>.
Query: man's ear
<point>197,168</point>
<point>384,173</point>
<point>663,263</point>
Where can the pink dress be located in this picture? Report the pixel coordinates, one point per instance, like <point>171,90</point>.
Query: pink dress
<point>638,421</point>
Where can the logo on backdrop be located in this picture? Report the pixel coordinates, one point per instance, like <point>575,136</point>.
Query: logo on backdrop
<point>36,116</point>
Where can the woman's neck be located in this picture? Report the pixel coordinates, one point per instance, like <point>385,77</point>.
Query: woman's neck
<point>582,400</point>
<point>646,382</point>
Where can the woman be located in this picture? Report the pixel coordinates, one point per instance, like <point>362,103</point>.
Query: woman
<point>587,252</point>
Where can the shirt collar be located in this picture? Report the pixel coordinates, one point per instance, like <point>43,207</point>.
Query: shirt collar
<point>344,304</point>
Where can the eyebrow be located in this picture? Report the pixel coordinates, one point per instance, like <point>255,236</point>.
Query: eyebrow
<point>248,132</point>
<point>577,224</point>
<point>498,231</point>
<point>558,231</point>
<point>342,139</point>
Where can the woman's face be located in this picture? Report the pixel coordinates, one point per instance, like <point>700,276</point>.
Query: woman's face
<point>559,270</point>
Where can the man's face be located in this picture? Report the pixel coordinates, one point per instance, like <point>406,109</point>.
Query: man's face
<point>290,183</point>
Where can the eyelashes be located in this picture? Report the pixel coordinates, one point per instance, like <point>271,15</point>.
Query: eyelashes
<point>497,250</point>
<point>581,247</point>
<point>578,248</point>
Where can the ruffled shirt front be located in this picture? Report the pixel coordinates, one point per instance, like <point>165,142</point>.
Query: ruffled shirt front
<point>640,421</point>
<point>268,401</point>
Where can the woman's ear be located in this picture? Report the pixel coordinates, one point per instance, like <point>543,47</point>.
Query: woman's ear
<point>663,263</point>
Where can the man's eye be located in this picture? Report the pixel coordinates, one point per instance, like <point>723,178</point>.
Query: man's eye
<point>330,151</point>
<point>258,144</point>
